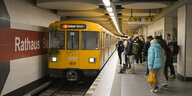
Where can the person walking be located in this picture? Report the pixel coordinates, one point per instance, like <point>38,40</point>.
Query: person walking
<point>155,62</point>
<point>120,49</point>
<point>169,59</point>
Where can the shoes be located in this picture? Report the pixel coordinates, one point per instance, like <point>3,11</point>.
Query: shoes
<point>128,67</point>
<point>131,71</point>
<point>151,90</point>
<point>172,77</point>
<point>165,87</point>
<point>154,90</point>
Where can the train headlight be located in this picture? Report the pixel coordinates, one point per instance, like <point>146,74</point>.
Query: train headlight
<point>92,60</point>
<point>54,59</point>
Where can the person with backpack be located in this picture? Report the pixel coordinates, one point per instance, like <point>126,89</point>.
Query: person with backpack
<point>169,59</point>
<point>130,55</point>
<point>120,49</point>
<point>138,47</point>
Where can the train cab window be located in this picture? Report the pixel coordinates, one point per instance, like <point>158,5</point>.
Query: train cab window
<point>72,40</point>
<point>89,40</point>
<point>57,39</point>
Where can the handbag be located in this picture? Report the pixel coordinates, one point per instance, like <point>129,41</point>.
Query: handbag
<point>151,79</point>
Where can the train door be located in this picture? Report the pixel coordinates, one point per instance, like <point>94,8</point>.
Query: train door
<point>72,52</point>
<point>101,48</point>
<point>104,44</point>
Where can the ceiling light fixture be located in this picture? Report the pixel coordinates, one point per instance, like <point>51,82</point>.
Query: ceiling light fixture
<point>111,14</point>
<point>107,3</point>
<point>109,9</point>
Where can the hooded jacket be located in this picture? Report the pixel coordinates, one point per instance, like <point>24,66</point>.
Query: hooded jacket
<point>155,57</point>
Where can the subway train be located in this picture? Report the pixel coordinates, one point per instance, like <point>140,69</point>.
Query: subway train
<point>78,48</point>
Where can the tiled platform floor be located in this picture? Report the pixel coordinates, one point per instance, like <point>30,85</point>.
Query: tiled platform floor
<point>136,85</point>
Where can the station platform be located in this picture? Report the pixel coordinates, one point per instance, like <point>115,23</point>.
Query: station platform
<point>111,83</point>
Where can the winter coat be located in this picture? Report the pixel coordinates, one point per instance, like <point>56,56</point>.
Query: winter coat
<point>120,47</point>
<point>146,47</point>
<point>129,49</point>
<point>155,57</point>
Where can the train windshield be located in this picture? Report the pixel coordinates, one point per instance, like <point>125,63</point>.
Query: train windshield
<point>72,40</point>
<point>89,40</point>
<point>57,39</point>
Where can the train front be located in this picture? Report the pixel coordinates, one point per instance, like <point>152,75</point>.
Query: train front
<point>74,50</point>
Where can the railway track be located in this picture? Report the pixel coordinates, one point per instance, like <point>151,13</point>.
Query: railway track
<point>63,88</point>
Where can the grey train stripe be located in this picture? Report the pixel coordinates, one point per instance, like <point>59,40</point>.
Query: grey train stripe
<point>4,72</point>
<point>4,15</point>
<point>5,23</point>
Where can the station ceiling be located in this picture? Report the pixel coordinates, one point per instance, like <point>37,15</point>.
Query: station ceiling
<point>95,11</point>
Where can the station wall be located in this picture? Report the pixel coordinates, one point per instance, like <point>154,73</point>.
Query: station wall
<point>157,28</point>
<point>26,19</point>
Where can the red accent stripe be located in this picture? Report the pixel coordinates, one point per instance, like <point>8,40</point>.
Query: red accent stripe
<point>7,43</point>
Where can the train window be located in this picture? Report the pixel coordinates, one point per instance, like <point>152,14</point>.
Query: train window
<point>107,40</point>
<point>89,40</point>
<point>57,39</point>
<point>72,40</point>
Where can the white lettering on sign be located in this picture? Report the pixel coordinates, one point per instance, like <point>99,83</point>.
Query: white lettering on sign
<point>26,44</point>
<point>72,58</point>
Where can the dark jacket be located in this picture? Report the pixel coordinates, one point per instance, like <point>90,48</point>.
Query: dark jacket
<point>141,45</point>
<point>120,46</point>
<point>146,47</point>
<point>129,49</point>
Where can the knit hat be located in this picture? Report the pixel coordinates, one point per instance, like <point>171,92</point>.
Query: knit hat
<point>153,41</point>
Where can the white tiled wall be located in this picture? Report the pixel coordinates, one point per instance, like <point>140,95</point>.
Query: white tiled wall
<point>184,36</point>
<point>152,28</point>
<point>181,39</point>
<point>188,41</point>
<point>24,71</point>
<point>26,16</point>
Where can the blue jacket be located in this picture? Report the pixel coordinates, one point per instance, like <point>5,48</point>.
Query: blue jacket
<point>155,57</point>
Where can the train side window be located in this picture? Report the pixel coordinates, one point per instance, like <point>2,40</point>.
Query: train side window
<point>107,39</point>
<point>57,39</point>
<point>72,40</point>
<point>89,40</point>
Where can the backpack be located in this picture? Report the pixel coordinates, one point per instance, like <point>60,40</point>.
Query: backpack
<point>176,48</point>
<point>120,47</point>
<point>135,48</point>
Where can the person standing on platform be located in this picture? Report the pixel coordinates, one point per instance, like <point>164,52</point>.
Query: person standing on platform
<point>130,56</point>
<point>138,56</point>
<point>124,57</point>
<point>169,60</point>
<point>120,49</point>
<point>146,47</point>
<point>155,62</point>
<point>163,83</point>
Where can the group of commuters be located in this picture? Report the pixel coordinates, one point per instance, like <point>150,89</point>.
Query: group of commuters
<point>157,52</point>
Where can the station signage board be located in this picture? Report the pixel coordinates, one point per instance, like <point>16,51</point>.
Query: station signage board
<point>139,20</point>
<point>73,26</point>
<point>15,43</point>
<point>132,33</point>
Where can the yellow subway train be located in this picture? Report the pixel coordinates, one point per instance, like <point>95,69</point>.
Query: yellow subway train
<point>78,48</point>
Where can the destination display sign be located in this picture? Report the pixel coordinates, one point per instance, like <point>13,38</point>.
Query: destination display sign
<point>132,33</point>
<point>143,20</point>
<point>73,26</point>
